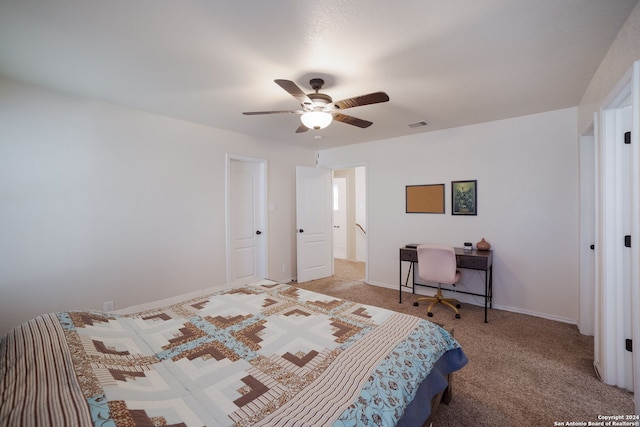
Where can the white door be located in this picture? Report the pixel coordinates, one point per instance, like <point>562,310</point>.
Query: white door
<point>313,217</point>
<point>246,221</point>
<point>340,218</point>
<point>587,155</point>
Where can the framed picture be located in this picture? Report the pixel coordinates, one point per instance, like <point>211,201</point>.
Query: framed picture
<point>464,197</point>
<point>425,198</point>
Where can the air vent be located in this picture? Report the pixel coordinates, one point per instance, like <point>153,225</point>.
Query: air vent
<point>417,124</point>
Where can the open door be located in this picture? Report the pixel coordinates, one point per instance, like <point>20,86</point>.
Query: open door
<point>314,226</point>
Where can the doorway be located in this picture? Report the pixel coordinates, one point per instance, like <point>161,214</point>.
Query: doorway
<point>349,216</point>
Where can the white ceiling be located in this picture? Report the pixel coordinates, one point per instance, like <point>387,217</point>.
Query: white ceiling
<point>447,62</point>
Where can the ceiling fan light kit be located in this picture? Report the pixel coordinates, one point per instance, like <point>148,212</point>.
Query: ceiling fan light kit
<point>316,119</point>
<point>319,110</point>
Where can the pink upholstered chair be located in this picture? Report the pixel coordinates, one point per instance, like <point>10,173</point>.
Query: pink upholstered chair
<point>437,263</point>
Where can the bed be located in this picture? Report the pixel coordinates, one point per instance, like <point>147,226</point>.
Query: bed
<point>266,354</point>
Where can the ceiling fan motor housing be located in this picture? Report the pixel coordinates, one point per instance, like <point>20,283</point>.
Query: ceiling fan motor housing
<point>320,99</point>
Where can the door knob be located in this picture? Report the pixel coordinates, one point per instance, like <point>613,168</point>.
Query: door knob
<point>258,232</point>
<point>301,230</point>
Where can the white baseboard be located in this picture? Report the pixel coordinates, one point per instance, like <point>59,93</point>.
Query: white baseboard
<point>475,300</point>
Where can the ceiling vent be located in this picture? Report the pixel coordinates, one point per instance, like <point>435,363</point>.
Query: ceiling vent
<point>417,124</point>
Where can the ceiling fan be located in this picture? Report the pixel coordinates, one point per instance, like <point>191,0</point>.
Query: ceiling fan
<point>319,110</point>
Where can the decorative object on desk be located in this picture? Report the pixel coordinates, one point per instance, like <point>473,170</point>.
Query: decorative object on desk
<point>464,197</point>
<point>483,245</point>
<point>468,246</point>
<point>425,198</point>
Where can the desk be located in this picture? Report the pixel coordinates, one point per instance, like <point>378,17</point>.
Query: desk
<point>472,260</point>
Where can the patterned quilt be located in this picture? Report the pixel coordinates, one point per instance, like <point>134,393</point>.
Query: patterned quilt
<point>267,354</point>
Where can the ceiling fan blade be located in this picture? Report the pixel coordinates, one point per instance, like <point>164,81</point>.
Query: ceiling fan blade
<point>294,91</point>
<point>302,128</point>
<point>371,98</point>
<point>350,120</point>
<point>254,113</point>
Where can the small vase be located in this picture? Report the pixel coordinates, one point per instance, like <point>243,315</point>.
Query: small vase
<point>483,245</point>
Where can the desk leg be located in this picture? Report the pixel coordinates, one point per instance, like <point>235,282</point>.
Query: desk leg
<point>491,287</point>
<point>413,279</point>
<point>486,294</point>
<point>400,280</point>
<point>488,291</point>
<point>406,282</point>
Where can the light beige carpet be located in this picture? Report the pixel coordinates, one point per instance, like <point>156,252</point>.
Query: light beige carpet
<point>522,371</point>
<point>348,270</point>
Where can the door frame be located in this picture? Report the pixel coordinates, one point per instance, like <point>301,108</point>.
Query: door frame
<point>263,259</point>
<point>635,228</point>
<point>609,352</point>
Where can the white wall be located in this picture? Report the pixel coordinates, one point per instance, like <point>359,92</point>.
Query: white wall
<point>99,202</point>
<point>624,51</point>
<point>527,173</point>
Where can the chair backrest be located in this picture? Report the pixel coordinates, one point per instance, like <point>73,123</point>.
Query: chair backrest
<point>437,263</point>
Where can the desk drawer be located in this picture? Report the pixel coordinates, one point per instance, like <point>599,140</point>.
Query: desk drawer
<point>408,254</point>
<point>476,263</point>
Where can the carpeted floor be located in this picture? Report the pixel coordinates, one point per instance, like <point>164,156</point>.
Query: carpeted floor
<point>522,371</point>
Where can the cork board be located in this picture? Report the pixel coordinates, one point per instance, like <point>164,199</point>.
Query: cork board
<point>425,198</point>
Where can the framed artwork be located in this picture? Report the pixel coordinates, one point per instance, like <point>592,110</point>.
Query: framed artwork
<point>464,197</point>
<point>425,198</point>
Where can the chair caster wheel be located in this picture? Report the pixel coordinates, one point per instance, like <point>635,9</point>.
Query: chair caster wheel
<point>458,306</point>
<point>415,304</point>
<point>430,314</point>
<point>457,316</point>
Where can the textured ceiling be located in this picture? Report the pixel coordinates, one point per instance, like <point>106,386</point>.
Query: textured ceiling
<point>447,62</point>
